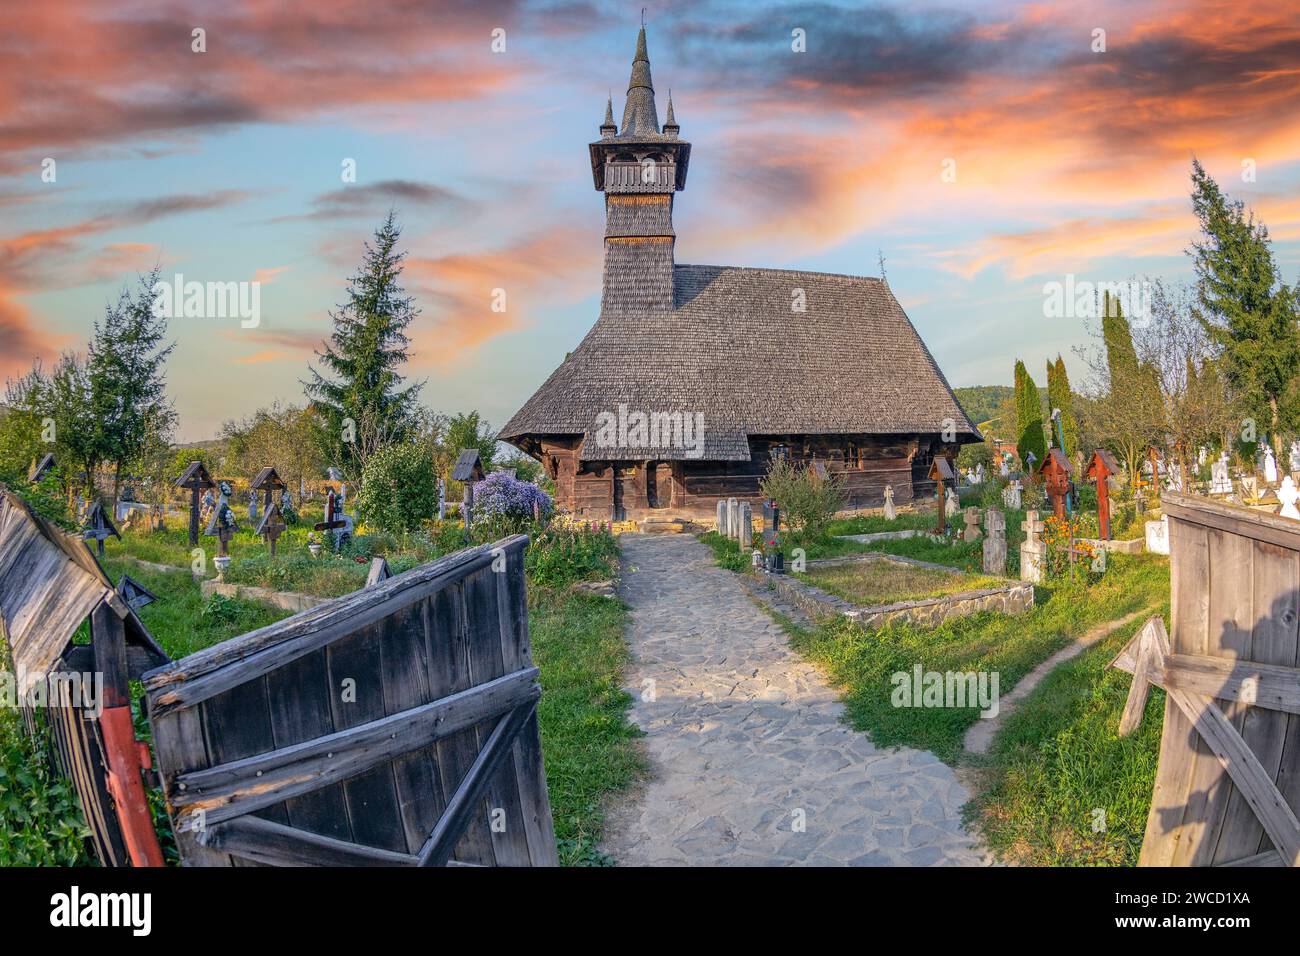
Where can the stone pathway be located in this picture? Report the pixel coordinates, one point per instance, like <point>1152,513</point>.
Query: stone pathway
<point>745,740</point>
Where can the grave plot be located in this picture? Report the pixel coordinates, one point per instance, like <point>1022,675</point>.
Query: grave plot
<point>875,582</point>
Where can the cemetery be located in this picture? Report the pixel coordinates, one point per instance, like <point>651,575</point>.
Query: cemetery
<point>635,636</point>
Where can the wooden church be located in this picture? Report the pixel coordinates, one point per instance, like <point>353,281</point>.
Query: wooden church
<point>694,376</point>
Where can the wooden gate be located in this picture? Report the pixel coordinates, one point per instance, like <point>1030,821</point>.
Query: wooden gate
<point>50,584</point>
<point>394,726</point>
<point>1228,784</point>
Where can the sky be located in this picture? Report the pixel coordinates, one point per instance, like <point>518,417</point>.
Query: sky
<point>983,150</point>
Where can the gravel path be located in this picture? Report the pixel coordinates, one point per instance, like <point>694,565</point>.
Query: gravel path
<point>751,764</point>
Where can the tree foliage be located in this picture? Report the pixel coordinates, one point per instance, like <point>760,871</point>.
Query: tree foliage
<point>1249,314</point>
<point>360,398</point>
<point>1029,418</point>
<point>1060,397</point>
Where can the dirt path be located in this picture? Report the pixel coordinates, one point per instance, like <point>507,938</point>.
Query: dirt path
<point>980,736</point>
<point>751,764</point>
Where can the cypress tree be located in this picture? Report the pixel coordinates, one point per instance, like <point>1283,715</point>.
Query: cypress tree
<point>1058,396</point>
<point>1029,418</point>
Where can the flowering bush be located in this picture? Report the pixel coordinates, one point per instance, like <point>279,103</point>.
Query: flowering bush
<point>1066,533</point>
<point>502,495</point>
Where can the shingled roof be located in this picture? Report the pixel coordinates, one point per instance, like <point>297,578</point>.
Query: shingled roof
<point>733,349</point>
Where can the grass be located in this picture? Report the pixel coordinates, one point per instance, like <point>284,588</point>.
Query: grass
<point>872,583</point>
<point>589,746</point>
<point>860,662</point>
<point>874,524</point>
<point>1058,759</point>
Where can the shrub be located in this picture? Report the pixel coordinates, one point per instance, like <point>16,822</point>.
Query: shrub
<point>559,557</point>
<point>508,504</point>
<point>399,488</point>
<point>40,815</point>
<point>809,501</point>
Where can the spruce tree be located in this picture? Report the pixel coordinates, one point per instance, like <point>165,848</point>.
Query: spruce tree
<point>1058,396</point>
<point>1249,314</point>
<point>361,387</point>
<point>124,367</point>
<point>1029,418</point>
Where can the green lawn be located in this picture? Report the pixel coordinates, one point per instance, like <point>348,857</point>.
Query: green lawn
<point>1057,760</point>
<point>861,662</point>
<point>872,583</point>
<point>874,524</point>
<point>588,743</point>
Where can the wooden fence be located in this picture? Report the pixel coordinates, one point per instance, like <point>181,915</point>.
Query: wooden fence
<point>1228,784</point>
<point>393,726</point>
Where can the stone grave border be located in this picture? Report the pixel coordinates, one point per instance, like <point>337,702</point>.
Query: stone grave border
<point>1013,598</point>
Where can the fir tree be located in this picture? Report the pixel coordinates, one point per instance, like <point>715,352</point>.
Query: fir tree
<point>124,367</point>
<point>361,384</point>
<point>1249,314</point>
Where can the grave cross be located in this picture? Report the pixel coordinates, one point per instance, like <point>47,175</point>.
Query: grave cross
<point>196,479</point>
<point>99,526</point>
<point>972,530</point>
<point>223,523</point>
<point>995,545</point>
<point>272,526</point>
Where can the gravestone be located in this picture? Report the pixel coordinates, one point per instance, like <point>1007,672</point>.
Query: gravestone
<point>995,542</point>
<point>952,505</point>
<point>1288,494</point>
<point>1011,495</point>
<point>890,512</point>
<point>1295,456</point>
<point>972,530</point>
<point>733,518</point>
<point>252,507</point>
<point>336,520</point>
<point>1249,488</point>
<point>442,499</point>
<point>722,518</point>
<point>1270,465</point>
<point>1033,551</point>
<point>1004,469</point>
<point>1157,533</point>
<point>745,526</point>
<point>1220,483</point>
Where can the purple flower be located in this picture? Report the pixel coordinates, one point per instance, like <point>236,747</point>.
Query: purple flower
<point>501,493</point>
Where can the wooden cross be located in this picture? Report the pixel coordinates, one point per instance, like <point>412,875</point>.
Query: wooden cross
<point>196,478</point>
<point>271,526</point>
<point>99,527</point>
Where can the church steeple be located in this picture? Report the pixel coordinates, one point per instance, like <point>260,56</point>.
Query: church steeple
<point>639,168</point>
<point>639,115</point>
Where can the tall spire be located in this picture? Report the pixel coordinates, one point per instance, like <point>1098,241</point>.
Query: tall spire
<point>639,114</point>
<point>608,128</point>
<point>670,122</point>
